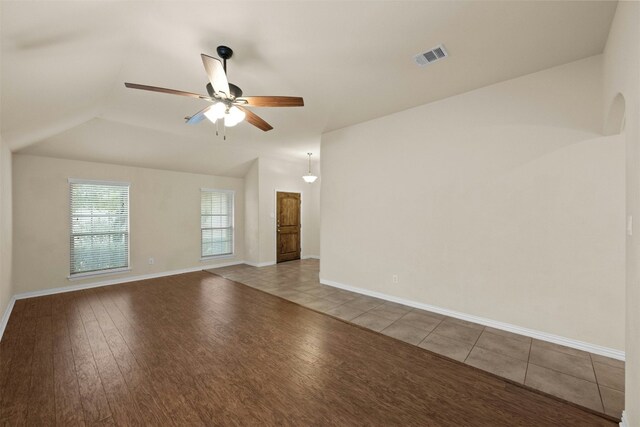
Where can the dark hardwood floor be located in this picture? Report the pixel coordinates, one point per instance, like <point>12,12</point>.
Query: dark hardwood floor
<point>197,349</point>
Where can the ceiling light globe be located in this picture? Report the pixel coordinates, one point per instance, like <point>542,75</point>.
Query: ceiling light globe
<point>236,114</point>
<point>218,110</point>
<point>229,120</point>
<point>211,115</point>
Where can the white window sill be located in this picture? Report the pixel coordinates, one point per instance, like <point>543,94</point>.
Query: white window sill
<point>79,276</point>
<point>215,257</point>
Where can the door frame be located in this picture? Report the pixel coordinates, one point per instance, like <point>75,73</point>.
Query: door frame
<point>274,223</point>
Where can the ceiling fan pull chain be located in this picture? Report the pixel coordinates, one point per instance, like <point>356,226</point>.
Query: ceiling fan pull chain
<point>224,137</point>
<point>216,128</point>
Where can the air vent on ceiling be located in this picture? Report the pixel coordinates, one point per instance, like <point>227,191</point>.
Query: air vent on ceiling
<point>435,54</point>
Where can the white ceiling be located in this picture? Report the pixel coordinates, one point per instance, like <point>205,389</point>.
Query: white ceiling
<point>64,65</point>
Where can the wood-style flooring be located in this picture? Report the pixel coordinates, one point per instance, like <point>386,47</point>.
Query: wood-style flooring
<point>197,349</point>
<point>588,380</point>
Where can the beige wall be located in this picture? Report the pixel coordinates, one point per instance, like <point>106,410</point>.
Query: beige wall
<point>252,214</point>
<point>164,219</point>
<point>264,178</point>
<point>622,76</point>
<point>6,287</point>
<point>505,203</point>
<point>280,175</point>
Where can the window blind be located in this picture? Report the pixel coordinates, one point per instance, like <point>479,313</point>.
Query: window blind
<point>99,226</point>
<point>216,222</point>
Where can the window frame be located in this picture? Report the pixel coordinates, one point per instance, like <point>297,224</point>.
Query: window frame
<point>87,274</point>
<point>232,215</point>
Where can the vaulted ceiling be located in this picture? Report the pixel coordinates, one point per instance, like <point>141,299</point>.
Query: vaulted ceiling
<point>64,65</point>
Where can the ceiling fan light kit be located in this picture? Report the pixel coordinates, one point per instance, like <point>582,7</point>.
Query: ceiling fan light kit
<point>216,112</point>
<point>227,101</point>
<point>309,178</point>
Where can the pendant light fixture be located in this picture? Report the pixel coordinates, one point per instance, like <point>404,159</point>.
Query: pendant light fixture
<point>309,177</point>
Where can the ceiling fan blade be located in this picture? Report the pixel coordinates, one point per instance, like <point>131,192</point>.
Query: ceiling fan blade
<point>169,91</point>
<point>216,75</point>
<point>197,117</point>
<point>255,120</point>
<point>271,101</point>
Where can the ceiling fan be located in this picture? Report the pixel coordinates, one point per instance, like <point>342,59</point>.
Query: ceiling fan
<point>227,103</point>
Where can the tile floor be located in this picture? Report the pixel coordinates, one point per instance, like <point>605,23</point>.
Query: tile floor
<point>589,380</point>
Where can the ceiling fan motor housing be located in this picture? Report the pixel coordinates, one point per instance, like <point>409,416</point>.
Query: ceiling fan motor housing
<point>236,92</point>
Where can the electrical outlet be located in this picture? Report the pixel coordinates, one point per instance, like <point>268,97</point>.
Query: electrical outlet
<point>151,261</point>
<point>394,278</point>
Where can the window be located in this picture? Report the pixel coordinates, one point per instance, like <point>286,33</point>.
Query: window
<point>216,222</point>
<point>99,227</point>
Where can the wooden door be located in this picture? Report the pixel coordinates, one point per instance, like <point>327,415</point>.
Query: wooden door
<point>288,226</point>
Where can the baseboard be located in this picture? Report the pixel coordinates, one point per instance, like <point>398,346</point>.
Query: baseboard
<point>5,316</point>
<point>625,421</point>
<point>268,263</point>
<point>260,264</point>
<point>543,336</point>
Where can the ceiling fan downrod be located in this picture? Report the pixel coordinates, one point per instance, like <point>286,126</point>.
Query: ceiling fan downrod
<point>224,52</point>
